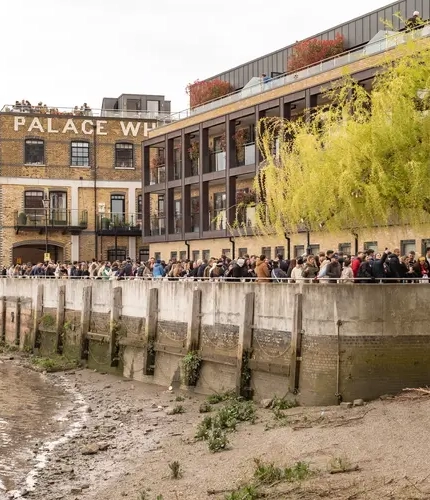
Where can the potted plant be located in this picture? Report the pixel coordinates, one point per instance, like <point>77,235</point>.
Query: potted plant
<point>241,137</point>
<point>105,223</point>
<point>22,219</point>
<point>202,92</point>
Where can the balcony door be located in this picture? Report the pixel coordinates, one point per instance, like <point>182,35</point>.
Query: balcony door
<point>117,208</point>
<point>58,206</point>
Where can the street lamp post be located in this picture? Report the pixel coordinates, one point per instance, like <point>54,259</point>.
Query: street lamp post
<point>46,207</point>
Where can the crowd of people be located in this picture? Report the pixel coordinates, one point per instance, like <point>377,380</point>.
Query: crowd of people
<point>25,106</point>
<point>330,267</point>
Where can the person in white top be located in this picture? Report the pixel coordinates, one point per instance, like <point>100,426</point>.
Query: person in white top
<point>297,272</point>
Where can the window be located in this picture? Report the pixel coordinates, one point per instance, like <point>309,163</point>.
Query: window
<point>33,206</point>
<point>371,245</point>
<point>133,105</point>
<point>153,106</point>
<point>124,155</point>
<point>139,207</point>
<point>157,255</point>
<point>182,255</point>
<point>345,248</point>
<point>299,250</point>
<point>315,249</point>
<point>407,246</point>
<point>116,254</point>
<point>243,252</point>
<point>196,255</point>
<point>267,251</point>
<point>206,254</point>
<point>161,205</point>
<point>173,255</point>
<point>226,252</point>
<point>424,245</point>
<point>117,207</point>
<point>143,254</point>
<point>80,154</point>
<point>195,214</point>
<point>280,251</point>
<point>34,152</point>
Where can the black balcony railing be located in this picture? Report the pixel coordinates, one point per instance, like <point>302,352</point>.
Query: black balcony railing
<point>157,175</point>
<point>119,223</point>
<point>157,225</point>
<point>52,218</point>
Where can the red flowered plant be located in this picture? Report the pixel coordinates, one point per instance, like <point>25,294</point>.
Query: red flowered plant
<point>201,92</point>
<point>312,51</point>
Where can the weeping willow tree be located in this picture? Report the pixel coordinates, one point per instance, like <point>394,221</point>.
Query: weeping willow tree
<point>362,160</point>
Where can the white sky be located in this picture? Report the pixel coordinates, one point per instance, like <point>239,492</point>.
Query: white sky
<point>67,52</point>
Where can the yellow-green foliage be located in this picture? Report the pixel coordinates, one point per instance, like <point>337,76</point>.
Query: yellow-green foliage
<point>350,167</point>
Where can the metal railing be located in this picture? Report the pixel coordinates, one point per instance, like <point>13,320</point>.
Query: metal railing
<point>195,164</point>
<point>160,116</point>
<point>246,155</point>
<point>157,225</point>
<point>157,175</point>
<point>119,221</point>
<point>54,217</point>
<point>323,66</point>
<point>217,161</point>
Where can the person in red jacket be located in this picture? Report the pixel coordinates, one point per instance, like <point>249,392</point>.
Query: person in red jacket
<point>356,263</point>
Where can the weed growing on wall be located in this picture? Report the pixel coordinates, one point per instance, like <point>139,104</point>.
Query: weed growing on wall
<point>191,365</point>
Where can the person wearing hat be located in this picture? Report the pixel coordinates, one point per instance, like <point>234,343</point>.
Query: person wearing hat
<point>414,22</point>
<point>238,271</point>
<point>217,270</point>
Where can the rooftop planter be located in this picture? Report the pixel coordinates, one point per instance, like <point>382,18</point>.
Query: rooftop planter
<point>313,51</point>
<point>202,92</point>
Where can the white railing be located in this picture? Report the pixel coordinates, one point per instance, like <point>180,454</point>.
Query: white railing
<point>337,61</point>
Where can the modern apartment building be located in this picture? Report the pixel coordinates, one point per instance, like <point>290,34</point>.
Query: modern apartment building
<point>198,169</point>
<point>70,181</point>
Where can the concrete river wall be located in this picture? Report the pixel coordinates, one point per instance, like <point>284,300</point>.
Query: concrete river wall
<point>322,342</point>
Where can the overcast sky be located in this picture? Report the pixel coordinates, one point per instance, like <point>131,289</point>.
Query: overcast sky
<point>67,52</point>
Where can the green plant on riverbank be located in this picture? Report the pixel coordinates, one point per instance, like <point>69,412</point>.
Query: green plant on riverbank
<point>214,429</point>
<point>191,365</point>
<point>216,398</point>
<point>268,474</point>
<point>175,470</point>
<point>47,321</point>
<point>54,363</point>
<point>6,348</point>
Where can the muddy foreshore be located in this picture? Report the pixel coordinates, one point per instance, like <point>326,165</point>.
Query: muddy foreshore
<point>120,439</point>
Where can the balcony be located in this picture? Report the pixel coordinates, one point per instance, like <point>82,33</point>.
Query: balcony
<point>195,164</point>
<point>119,224</point>
<point>157,116</point>
<point>246,155</point>
<point>195,222</point>
<point>177,170</point>
<point>217,161</point>
<point>218,220</point>
<point>40,219</point>
<point>157,226</point>
<point>157,175</point>
<point>256,86</point>
<point>245,217</point>
<point>177,224</point>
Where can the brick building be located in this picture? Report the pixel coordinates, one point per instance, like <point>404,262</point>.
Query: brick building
<point>70,181</point>
<point>199,168</point>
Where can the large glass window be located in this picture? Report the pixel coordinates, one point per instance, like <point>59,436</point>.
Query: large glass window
<point>117,207</point>
<point>34,152</point>
<point>33,206</point>
<point>80,154</point>
<point>124,155</point>
<point>116,254</point>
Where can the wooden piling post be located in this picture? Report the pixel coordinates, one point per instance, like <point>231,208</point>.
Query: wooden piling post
<point>296,343</point>
<point>150,331</point>
<point>245,341</point>
<point>114,326</point>
<point>85,320</point>
<point>194,322</point>
<point>61,305</point>
<point>38,313</point>
<point>2,318</point>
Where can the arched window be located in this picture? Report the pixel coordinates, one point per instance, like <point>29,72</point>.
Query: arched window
<point>34,152</point>
<point>124,155</point>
